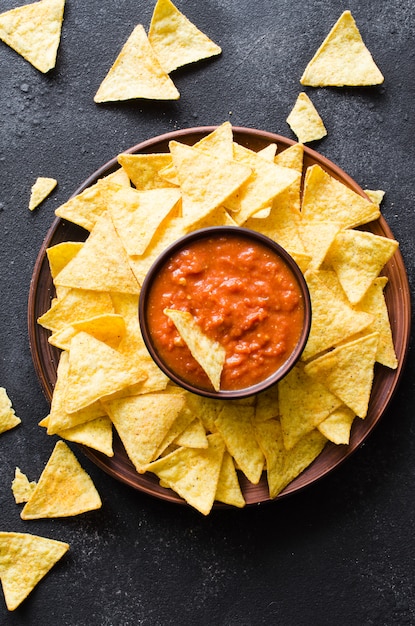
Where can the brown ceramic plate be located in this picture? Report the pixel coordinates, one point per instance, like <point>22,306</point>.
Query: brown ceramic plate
<point>45,356</point>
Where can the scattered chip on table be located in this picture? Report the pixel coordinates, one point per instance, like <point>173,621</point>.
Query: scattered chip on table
<point>8,418</point>
<point>305,120</point>
<point>342,59</point>
<point>34,31</point>
<point>22,488</point>
<point>24,560</point>
<point>42,187</point>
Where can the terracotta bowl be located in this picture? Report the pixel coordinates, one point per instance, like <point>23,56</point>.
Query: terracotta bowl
<point>397,296</point>
<point>200,236</point>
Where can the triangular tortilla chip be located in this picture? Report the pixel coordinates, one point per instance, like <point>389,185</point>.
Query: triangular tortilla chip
<point>142,422</point>
<point>8,418</point>
<point>175,40</point>
<point>40,190</point>
<point>342,59</point>
<point>63,489</point>
<point>228,490</point>
<point>34,31</point>
<point>208,353</point>
<point>305,121</point>
<point>303,404</point>
<point>336,427</point>
<point>24,560</point>
<point>75,305</point>
<point>206,181</point>
<point>193,436</point>
<point>138,214</point>
<point>357,258</point>
<point>291,157</point>
<point>86,207</point>
<point>327,199</point>
<point>101,264</point>
<point>136,73</point>
<point>265,183</point>
<point>95,434</point>
<point>348,372</point>
<point>317,238</point>
<point>22,488</point>
<point>333,320</point>
<point>193,473</point>
<point>143,169</point>
<point>236,425</point>
<point>95,371</point>
<point>60,254</point>
<point>108,327</point>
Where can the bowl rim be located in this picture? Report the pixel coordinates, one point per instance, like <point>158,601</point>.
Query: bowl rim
<point>244,233</point>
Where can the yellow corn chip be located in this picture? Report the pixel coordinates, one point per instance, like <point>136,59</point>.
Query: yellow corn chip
<point>63,489</point>
<point>228,489</point>
<point>143,169</point>
<point>75,305</point>
<point>86,207</point>
<point>327,199</point>
<point>305,120</point>
<point>208,353</point>
<point>303,403</point>
<point>40,190</point>
<point>357,258</point>
<point>336,427</point>
<point>96,370</point>
<point>291,157</point>
<point>136,73</point>
<point>137,215</point>
<point>317,238</point>
<point>21,487</point>
<point>206,181</point>
<point>95,434</point>
<point>348,372</point>
<point>60,255</point>
<point>236,425</point>
<point>24,560</point>
<point>109,328</point>
<point>342,59</point>
<point>8,418</point>
<point>193,436</point>
<point>175,40</point>
<point>107,262</point>
<point>142,422</point>
<point>333,320</point>
<point>193,474</point>
<point>375,195</point>
<point>34,31</point>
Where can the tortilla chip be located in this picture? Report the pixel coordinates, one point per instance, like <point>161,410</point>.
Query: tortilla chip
<point>21,487</point>
<point>76,305</point>
<point>348,372</point>
<point>305,121</point>
<point>60,254</point>
<point>206,181</point>
<point>208,353</point>
<point>329,200</point>
<point>24,560</point>
<point>136,73</point>
<point>342,59</point>
<point>228,490</point>
<point>263,185</point>
<point>143,169</point>
<point>175,40</point>
<point>8,418</point>
<point>291,157</point>
<point>142,423</point>
<point>236,425</point>
<point>64,488</point>
<point>40,190</point>
<point>336,427</point>
<point>317,238</point>
<point>304,403</point>
<point>375,195</point>
<point>194,436</point>
<point>266,405</point>
<point>137,215</point>
<point>101,264</point>
<point>96,370</point>
<point>357,257</point>
<point>86,207</point>
<point>193,473</point>
<point>109,328</point>
<point>34,31</point>
<point>95,434</point>
<point>333,320</point>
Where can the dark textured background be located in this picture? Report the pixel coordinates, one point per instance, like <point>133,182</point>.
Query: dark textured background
<point>342,551</point>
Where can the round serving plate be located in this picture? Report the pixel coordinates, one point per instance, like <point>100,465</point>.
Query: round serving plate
<point>397,296</point>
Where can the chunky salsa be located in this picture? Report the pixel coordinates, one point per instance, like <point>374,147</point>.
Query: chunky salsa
<point>242,295</point>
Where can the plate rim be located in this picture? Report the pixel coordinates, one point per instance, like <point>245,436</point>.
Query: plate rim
<point>103,462</point>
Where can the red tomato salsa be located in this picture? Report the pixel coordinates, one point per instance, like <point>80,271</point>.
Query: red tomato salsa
<point>242,295</point>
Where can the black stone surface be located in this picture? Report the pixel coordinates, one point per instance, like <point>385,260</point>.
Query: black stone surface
<point>342,551</point>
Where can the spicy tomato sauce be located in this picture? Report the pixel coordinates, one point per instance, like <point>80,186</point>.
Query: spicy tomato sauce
<point>242,295</point>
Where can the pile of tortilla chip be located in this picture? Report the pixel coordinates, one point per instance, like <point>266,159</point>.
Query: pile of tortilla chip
<point>197,446</point>
<point>143,66</point>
